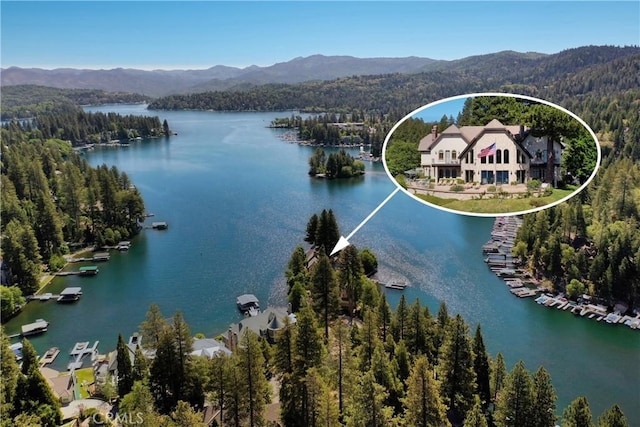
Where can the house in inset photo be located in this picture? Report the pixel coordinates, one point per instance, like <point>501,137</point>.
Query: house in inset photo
<point>491,154</point>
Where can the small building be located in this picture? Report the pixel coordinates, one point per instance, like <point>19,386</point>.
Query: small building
<point>71,294</point>
<point>101,256</point>
<point>37,327</point>
<point>159,225</point>
<point>246,302</point>
<point>89,270</point>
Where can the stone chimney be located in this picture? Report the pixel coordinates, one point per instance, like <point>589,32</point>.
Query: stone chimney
<point>434,132</point>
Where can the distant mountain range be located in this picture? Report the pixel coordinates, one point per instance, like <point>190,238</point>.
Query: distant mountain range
<point>158,83</point>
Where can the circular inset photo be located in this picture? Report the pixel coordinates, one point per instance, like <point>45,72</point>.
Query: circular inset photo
<point>491,154</point>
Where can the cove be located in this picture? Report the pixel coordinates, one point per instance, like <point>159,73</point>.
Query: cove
<point>237,199</point>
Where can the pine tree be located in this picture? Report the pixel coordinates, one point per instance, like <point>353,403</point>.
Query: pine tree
<point>458,379</point>
<point>152,327</point>
<point>515,401</point>
<point>401,319</point>
<point>140,365</point>
<point>9,372</point>
<point>613,417</point>
<point>544,407</point>
<point>138,405</point>
<point>481,368</point>
<point>253,382</point>
<point>475,417</point>
<point>423,404</point>
<point>312,229</point>
<point>498,375</point>
<point>577,414</point>
<point>366,407</point>
<point>185,416</point>
<point>384,317</point>
<point>324,291</point>
<point>350,275</point>
<point>125,370</point>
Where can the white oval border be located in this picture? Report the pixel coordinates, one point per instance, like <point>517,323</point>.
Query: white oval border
<point>510,95</point>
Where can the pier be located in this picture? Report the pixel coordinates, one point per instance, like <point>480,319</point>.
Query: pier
<point>520,283</point>
<point>49,356</point>
<point>80,350</point>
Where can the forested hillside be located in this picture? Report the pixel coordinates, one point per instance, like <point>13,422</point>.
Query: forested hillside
<point>26,101</point>
<point>52,200</point>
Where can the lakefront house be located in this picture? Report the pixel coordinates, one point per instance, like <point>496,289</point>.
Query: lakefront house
<point>491,154</point>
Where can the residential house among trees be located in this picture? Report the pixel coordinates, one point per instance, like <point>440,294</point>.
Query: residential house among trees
<point>490,154</point>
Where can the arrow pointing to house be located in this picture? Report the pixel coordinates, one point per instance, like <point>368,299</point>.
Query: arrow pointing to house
<point>343,242</point>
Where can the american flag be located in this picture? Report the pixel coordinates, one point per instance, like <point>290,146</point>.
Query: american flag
<point>489,151</point>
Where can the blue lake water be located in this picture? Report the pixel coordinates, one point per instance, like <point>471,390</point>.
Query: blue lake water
<point>237,199</point>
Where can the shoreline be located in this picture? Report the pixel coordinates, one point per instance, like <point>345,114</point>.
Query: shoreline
<point>522,283</point>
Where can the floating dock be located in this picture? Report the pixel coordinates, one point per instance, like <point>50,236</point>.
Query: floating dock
<point>80,350</point>
<point>49,356</point>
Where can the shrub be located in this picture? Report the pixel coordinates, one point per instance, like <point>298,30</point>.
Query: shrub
<point>456,188</point>
<point>369,261</point>
<point>401,180</point>
<point>56,262</point>
<point>534,184</point>
<point>536,203</point>
<point>514,182</point>
<point>491,189</point>
<point>460,181</point>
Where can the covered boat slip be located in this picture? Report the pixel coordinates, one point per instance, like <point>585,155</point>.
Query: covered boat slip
<point>248,303</point>
<point>70,294</point>
<point>37,327</point>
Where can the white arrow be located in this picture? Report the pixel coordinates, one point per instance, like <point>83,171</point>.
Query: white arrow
<point>344,241</point>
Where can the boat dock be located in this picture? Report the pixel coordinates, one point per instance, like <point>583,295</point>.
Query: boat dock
<point>37,327</point>
<point>70,294</point>
<point>80,350</point>
<point>49,356</point>
<point>498,257</point>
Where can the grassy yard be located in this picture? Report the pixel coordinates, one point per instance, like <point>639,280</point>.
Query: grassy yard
<point>85,378</point>
<point>489,204</point>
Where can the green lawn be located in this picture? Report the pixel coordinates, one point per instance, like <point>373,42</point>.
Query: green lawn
<point>492,205</point>
<point>85,378</point>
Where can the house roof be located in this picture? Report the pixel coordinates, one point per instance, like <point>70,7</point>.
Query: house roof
<point>209,347</point>
<point>247,299</point>
<point>475,132</point>
<point>470,133</point>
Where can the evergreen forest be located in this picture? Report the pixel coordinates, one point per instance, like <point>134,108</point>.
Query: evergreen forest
<point>346,359</point>
<point>54,202</point>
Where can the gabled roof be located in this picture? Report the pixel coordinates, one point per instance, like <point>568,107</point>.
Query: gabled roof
<point>494,126</point>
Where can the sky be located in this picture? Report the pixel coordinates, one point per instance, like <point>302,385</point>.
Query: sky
<point>198,35</point>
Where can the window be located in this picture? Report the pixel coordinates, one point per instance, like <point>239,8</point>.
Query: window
<point>440,155</point>
<point>483,160</point>
<point>498,156</point>
<point>502,177</point>
<point>491,159</point>
<point>454,155</point>
<point>447,157</point>
<point>505,156</point>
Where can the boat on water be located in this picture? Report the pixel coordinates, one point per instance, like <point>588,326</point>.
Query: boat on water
<point>248,303</point>
<point>38,327</point>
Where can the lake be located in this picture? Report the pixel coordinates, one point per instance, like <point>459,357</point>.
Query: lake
<point>237,200</point>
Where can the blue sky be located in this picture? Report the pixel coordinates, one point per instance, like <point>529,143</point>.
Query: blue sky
<point>197,35</point>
